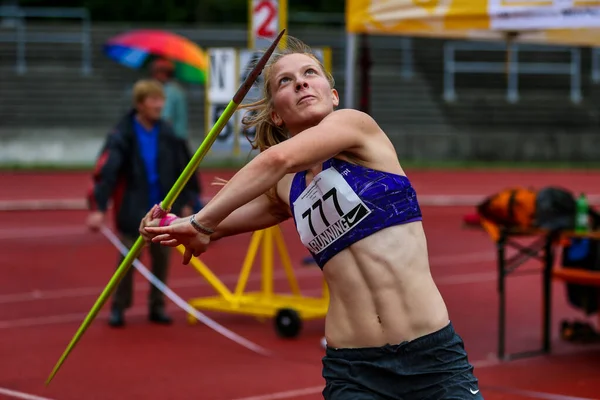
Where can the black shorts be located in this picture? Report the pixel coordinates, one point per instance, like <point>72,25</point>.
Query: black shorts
<point>432,367</point>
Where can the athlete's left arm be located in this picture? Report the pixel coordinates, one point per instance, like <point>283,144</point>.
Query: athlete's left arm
<point>343,130</point>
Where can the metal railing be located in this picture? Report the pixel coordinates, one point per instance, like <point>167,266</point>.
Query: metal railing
<point>513,68</point>
<point>21,36</point>
<point>595,65</point>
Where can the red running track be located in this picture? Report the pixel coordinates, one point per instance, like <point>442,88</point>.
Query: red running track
<point>53,271</point>
<point>59,185</point>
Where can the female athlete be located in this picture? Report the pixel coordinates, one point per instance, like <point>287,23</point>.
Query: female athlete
<point>336,173</point>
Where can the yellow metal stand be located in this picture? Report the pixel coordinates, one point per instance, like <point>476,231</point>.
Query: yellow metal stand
<point>289,310</point>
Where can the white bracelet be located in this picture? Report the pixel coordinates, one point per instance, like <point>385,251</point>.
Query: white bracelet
<point>200,228</point>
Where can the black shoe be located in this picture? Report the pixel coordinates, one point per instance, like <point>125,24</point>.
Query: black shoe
<point>116,318</point>
<point>159,317</point>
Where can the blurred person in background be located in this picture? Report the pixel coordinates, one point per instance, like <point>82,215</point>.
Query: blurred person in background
<point>139,162</point>
<point>175,109</point>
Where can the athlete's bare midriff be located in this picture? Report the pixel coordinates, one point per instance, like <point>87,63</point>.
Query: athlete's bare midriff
<point>382,291</point>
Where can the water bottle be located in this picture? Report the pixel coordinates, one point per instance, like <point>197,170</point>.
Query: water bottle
<point>581,214</point>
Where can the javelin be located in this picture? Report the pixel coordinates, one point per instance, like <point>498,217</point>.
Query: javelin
<point>166,204</point>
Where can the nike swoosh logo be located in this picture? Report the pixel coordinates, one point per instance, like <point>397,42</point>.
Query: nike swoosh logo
<point>474,391</point>
<point>353,217</point>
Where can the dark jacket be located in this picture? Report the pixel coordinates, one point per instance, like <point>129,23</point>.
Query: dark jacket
<point>120,174</point>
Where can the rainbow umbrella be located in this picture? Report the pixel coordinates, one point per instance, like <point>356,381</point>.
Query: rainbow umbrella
<point>135,49</point>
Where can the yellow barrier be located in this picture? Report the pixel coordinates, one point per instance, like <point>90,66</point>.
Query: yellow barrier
<point>288,310</point>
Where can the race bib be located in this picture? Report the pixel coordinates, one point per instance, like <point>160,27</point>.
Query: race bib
<point>326,210</point>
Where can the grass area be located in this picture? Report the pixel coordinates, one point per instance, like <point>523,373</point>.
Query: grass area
<point>409,165</point>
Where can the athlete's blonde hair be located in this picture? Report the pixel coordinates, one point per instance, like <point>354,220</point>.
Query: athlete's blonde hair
<point>259,116</point>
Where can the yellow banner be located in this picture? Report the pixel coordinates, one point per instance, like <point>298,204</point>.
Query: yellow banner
<point>438,17</point>
<point>561,37</point>
<point>398,16</point>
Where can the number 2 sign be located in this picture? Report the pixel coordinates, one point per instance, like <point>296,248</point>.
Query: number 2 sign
<point>266,21</point>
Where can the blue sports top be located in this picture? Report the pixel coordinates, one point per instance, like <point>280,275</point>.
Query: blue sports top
<point>345,203</point>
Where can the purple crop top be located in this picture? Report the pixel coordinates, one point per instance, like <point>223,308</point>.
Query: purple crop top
<point>345,203</point>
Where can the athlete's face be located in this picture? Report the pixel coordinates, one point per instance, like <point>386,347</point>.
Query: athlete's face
<point>301,93</point>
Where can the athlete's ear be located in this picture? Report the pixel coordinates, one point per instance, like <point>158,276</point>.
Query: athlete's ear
<point>276,118</point>
<point>335,98</point>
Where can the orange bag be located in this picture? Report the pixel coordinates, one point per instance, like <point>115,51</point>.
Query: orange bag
<point>509,208</point>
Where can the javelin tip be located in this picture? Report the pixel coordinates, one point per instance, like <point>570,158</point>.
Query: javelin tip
<point>257,70</point>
